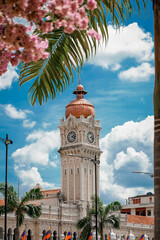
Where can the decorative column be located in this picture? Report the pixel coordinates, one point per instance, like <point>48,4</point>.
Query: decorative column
<point>145,236</point>
<point>113,235</point>
<point>131,236</point>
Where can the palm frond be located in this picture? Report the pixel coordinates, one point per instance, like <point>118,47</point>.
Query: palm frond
<point>68,52</point>
<point>85,224</point>
<point>32,210</point>
<point>33,194</point>
<point>112,219</point>
<point>112,207</point>
<point>54,74</point>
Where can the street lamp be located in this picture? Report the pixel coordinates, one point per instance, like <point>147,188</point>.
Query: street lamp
<point>150,174</point>
<point>6,141</point>
<point>95,161</point>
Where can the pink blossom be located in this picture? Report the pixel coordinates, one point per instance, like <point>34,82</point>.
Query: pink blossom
<point>84,23</point>
<point>74,5</point>
<point>94,34</point>
<point>92,4</point>
<point>18,42</point>
<point>70,29</point>
<point>82,12</point>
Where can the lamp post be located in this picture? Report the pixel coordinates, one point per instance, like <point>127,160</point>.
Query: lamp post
<point>6,141</point>
<point>95,161</point>
<point>149,174</point>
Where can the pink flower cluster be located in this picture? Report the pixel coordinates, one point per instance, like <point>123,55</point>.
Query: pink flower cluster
<point>71,14</point>
<point>18,42</point>
<point>91,32</point>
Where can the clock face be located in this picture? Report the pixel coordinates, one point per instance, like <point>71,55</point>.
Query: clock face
<point>71,137</point>
<point>90,137</point>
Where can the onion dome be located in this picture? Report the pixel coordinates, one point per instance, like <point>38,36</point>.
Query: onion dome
<point>80,106</point>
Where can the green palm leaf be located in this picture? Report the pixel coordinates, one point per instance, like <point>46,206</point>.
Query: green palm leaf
<point>68,52</point>
<point>21,206</point>
<point>104,215</point>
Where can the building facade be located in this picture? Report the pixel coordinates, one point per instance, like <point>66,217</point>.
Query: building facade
<point>141,205</point>
<point>62,208</point>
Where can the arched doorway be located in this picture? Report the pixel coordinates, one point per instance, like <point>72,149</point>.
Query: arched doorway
<point>29,235</point>
<point>54,235</point>
<point>9,234</point>
<point>1,233</point>
<point>43,234</point>
<point>74,236</point>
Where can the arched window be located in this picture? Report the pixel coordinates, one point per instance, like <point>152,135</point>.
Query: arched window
<point>43,234</point>
<point>9,234</point>
<point>29,235</point>
<point>54,235</point>
<point>74,236</point>
<point>1,233</point>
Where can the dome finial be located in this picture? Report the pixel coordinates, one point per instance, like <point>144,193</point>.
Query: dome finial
<point>79,80</point>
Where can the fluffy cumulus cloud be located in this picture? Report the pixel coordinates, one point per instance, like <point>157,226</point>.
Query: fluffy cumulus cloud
<point>31,177</point>
<point>41,145</point>
<point>130,42</point>
<point>8,77</point>
<point>131,156</point>
<point>127,148</point>
<point>37,153</point>
<point>141,73</point>
<point>12,112</point>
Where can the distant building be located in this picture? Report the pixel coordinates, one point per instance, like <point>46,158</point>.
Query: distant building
<point>141,205</point>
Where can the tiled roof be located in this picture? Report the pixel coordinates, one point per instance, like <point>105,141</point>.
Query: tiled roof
<point>140,219</point>
<point>52,191</point>
<point>2,202</point>
<point>149,194</point>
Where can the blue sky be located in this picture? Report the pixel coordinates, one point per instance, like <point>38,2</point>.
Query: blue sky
<point>119,81</point>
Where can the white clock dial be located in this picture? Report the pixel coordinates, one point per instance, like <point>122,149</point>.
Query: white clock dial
<point>90,137</point>
<point>71,137</point>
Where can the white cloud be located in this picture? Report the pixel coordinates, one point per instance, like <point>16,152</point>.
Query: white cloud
<point>141,73</point>
<point>126,148</point>
<point>28,124</point>
<point>8,77</point>
<point>12,112</point>
<point>129,42</point>
<point>122,159</point>
<point>39,150</point>
<point>31,177</point>
<point>45,124</point>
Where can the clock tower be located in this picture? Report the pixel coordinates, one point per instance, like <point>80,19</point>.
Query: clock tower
<point>80,134</point>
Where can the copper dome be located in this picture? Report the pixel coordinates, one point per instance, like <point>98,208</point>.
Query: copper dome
<point>80,106</point>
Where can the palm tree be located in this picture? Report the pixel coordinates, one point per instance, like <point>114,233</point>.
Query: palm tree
<point>105,217</point>
<point>68,52</point>
<point>21,206</point>
<point>156,101</point>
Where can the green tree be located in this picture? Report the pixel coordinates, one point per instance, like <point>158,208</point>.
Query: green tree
<point>69,52</point>
<point>105,217</point>
<point>21,206</point>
